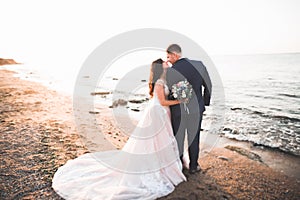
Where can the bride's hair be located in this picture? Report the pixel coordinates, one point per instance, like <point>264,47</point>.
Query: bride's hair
<point>155,73</point>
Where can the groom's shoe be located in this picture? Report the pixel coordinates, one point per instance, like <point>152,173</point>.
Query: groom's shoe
<point>193,171</point>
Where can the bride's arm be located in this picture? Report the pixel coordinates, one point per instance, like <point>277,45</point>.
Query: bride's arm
<point>162,98</point>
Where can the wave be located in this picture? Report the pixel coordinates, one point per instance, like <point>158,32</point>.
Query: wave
<point>289,95</point>
<point>292,119</point>
<point>272,97</point>
<point>260,140</point>
<point>262,114</point>
<point>279,96</point>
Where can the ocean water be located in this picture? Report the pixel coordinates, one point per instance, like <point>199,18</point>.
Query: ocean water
<point>262,99</point>
<point>261,104</point>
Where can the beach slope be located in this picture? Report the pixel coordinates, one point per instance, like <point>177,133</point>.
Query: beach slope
<point>38,134</point>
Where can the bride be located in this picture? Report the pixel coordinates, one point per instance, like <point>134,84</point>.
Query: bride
<point>147,167</point>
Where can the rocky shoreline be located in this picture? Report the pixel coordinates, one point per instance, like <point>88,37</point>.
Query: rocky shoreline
<point>39,135</point>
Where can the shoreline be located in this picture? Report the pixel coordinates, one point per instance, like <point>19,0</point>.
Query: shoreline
<point>38,129</point>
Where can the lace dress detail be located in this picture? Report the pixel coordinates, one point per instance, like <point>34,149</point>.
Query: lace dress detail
<point>163,83</point>
<point>147,167</point>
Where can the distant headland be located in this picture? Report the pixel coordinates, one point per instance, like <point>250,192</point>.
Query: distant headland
<point>4,61</point>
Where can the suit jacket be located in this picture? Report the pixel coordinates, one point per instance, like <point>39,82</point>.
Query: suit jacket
<point>196,74</point>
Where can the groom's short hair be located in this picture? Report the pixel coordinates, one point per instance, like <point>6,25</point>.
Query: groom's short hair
<point>174,48</point>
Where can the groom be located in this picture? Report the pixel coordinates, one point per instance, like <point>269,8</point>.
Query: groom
<point>188,119</point>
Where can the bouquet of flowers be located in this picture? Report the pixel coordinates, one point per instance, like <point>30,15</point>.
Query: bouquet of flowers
<point>182,91</point>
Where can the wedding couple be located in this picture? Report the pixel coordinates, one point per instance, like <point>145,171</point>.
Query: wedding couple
<point>150,164</point>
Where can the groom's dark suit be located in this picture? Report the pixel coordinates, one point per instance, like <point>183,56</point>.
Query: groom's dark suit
<point>189,119</point>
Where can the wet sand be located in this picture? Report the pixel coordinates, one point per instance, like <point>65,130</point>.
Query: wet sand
<point>38,134</point>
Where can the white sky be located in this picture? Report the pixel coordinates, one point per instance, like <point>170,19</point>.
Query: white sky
<point>61,30</point>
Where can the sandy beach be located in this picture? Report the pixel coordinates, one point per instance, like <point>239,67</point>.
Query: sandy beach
<point>38,134</point>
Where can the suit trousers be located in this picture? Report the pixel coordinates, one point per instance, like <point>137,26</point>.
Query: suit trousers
<point>190,124</point>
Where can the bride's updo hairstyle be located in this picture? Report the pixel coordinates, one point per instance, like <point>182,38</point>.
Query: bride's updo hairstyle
<point>155,73</point>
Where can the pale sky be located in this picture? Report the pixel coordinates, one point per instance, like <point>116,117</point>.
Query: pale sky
<point>70,30</point>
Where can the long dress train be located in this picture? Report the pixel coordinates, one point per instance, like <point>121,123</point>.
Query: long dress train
<point>147,167</point>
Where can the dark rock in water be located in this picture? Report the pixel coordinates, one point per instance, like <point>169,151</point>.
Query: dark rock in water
<point>138,101</point>
<point>114,105</point>
<point>119,102</point>
<point>257,145</point>
<point>136,110</point>
<point>231,131</point>
<point>227,129</point>
<point>99,93</point>
<point>235,108</point>
<point>122,102</point>
<point>258,113</point>
<point>7,61</point>
<point>94,112</point>
<point>244,152</point>
<point>260,147</point>
<point>143,80</point>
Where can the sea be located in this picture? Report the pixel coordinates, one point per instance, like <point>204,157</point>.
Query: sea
<point>262,95</point>
<point>258,99</point>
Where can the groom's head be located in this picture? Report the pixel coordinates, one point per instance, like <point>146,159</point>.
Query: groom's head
<point>173,53</point>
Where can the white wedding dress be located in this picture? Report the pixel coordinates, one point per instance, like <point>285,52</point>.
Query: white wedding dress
<point>147,167</point>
